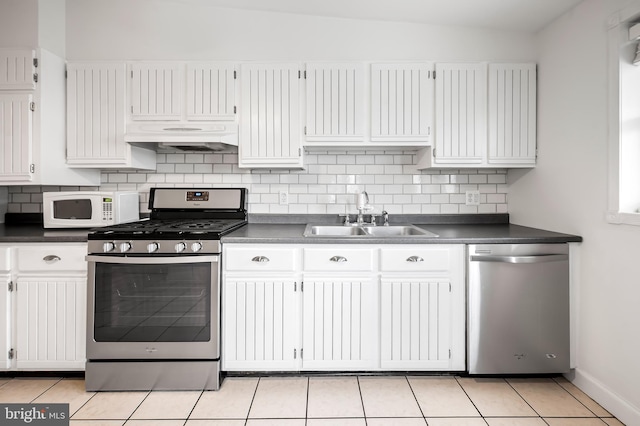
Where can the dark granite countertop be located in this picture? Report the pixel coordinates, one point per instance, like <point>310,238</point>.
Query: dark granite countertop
<point>34,233</point>
<point>451,229</point>
<point>288,229</point>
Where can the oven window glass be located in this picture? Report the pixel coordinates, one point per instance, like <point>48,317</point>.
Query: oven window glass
<point>72,209</point>
<point>153,303</point>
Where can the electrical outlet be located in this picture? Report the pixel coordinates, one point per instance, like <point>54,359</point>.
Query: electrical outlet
<point>472,198</point>
<point>283,197</point>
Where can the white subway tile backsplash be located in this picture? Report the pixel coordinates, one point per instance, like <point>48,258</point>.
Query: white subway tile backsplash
<point>326,186</point>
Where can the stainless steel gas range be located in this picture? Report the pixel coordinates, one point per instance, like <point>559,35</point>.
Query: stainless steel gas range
<point>154,293</point>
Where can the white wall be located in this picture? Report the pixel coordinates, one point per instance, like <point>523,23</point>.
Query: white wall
<point>19,23</point>
<point>169,29</point>
<point>568,192</point>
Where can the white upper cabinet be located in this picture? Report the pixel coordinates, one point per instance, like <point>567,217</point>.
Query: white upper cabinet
<point>182,91</point>
<point>32,139</point>
<point>270,134</point>
<point>18,69</point>
<point>156,91</point>
<point>512,114</point>
<point>485,116</point>
<point>96,118</point>
<point>15,139</point>
<point>335,102</point>
<point>461,114</point>
<point>210,91</point>
<point>402,101</point>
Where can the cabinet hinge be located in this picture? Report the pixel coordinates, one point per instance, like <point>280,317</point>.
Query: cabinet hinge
<point>235,109</point>
<point>302,286</point>
<point>10,285</point>
<point>295,287</point>
<point>299,152</point>
<point>65,74</point>
<point>449,287</point>
<point>235,74</point>
<point>434,153</point>
<point>434,75</point>
<point>449,353</point>
<point>305,130</point>
<point>301,353</point>
<point>131,109</point>
<point>35,62</point>
<point>295,354</point>
<point>305,74</point>
<point>32,106</point>
<point>131,73</point>
<point>299,73</point>
<point>35,77</point>
<point>12,353</point>
<point>32,168</point>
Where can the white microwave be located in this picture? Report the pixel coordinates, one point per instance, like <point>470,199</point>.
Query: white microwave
<point>89,209</point>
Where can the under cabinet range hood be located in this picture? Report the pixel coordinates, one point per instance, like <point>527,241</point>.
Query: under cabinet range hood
<point>186,137</point>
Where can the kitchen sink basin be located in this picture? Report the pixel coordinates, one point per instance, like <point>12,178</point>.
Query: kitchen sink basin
<point>366,231</point>
<point>397,231</point>
<point>332,231</point>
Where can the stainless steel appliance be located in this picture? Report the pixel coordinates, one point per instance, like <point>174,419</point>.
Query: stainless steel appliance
<point>518,309</point>
<point>154,293</point>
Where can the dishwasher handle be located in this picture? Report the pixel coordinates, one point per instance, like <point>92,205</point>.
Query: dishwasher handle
<point>538,258</point>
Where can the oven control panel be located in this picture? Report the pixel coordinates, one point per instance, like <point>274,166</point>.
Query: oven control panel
<point>197,195</point>
<point>151,248</point>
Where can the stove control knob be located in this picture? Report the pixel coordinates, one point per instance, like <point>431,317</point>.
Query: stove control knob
<point>107,247</point>
<point>152,247</point>
<point>180,247</point>
<point>196,247</point>
<point>125,247</point>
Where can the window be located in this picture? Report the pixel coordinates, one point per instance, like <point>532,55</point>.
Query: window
<point>624,121</point>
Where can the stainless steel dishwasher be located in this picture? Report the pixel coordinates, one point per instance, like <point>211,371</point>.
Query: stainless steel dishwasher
<point>518,308</point>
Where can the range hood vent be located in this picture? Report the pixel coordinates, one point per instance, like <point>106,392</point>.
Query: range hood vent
<point>187,137</point>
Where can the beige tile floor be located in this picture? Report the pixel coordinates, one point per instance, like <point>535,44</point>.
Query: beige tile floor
<point>326,401</point>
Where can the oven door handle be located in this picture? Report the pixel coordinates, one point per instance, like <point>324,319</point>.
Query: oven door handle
<point>152,260</point>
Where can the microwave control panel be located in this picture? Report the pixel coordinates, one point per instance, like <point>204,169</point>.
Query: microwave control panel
<point>107,209</point>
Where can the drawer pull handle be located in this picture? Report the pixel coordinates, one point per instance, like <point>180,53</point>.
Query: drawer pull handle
<point>260,259</point>
<point>415,259</point>
<point>51,258</point>
<point>338,259</point>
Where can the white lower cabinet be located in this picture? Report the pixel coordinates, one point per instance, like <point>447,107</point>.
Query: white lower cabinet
<point>422,308</point>
<point>44,328</point>
<point>260,324</point>
<point>350,307</point>
<point>339,330</point>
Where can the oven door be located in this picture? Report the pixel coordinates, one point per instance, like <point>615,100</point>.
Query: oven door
<point>153,307</point>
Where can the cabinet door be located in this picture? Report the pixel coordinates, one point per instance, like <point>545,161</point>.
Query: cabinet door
<point>415,319</point>
<point>270,128</point>
<point>339,323</point>
<point>5,321</point>
<point>335,102</point>
<point>402,101</point>
<point>259,320</point>
<point>512,114</point>
<point>156,91</point>
<point>96,102</point>
<point>16,137</point>
<point>461,114</point>
<point>17,69</point>
<point>210,91</point>
<point>51,323</point>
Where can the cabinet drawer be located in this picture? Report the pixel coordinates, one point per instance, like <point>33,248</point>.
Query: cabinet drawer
<point>5,259</point>
<point>260,258</point>
<point>52,258</point>
<point>338,259</point>
<point>415,258</point>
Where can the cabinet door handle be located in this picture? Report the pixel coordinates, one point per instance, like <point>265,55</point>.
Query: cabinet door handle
<point>51,258</point>
<point>415,259</point>
<point>338,259</point>
<point>260,259</point>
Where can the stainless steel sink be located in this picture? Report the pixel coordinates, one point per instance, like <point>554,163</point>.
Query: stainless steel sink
<point>332,231</point>
<point>366,231</point>
<point>398,231</point>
